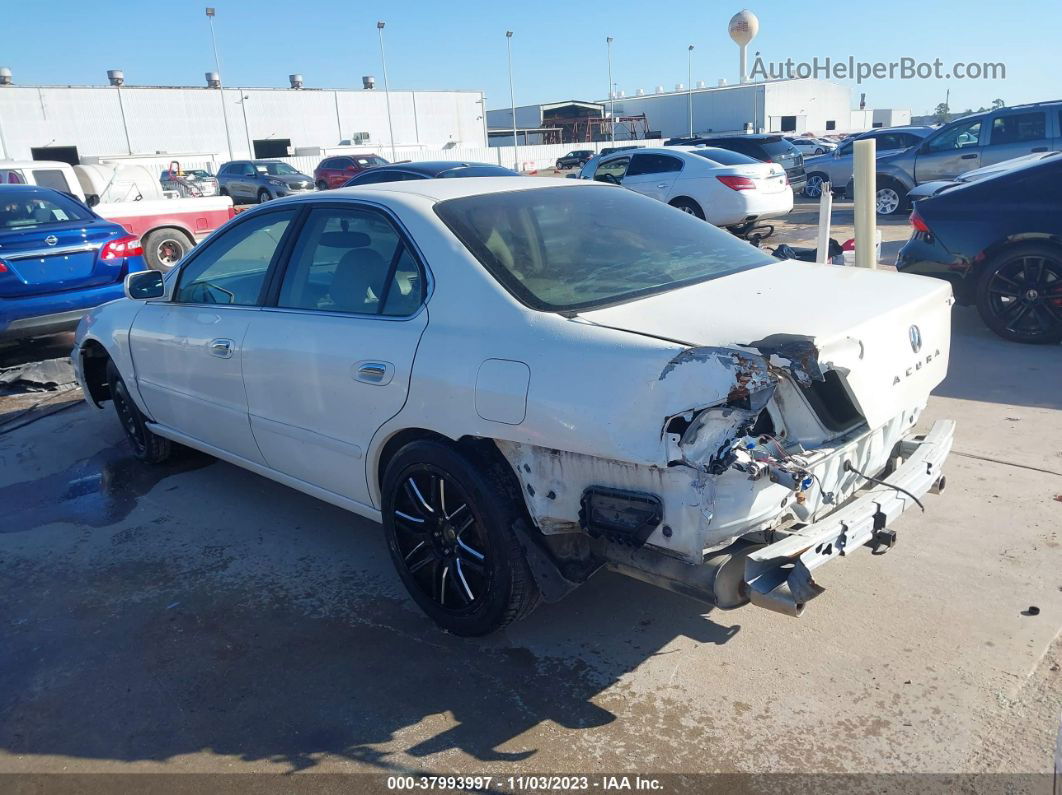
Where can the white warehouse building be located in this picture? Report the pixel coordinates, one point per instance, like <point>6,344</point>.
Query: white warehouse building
<point>789,106</point>
<point>70,123</point>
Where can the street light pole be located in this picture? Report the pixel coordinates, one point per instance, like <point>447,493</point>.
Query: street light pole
<point>221,85</point>
<point>387,90</point>
<point>512,96</point>
<point>611,94</point>
<point>689,89</point>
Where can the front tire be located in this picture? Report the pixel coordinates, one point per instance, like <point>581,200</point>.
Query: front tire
<point>322,185</point>
<point>449,520</point>
<point>146,445</point>
<point>164,248</point>
<point>263,196</point>
<point>1019,294</point>
<point>813,187</point>
<point>891,197</point>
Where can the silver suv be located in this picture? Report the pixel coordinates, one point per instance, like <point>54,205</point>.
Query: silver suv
<point>261,180</point>
<point>836,167</point>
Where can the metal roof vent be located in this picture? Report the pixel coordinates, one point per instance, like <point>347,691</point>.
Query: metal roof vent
<point>213,80</point>
<point>722,82</point>
<point>659,89</point>
<point>640,92</point>
<point>680,86</point>
<point>621,94</point>
<point>295,80</point>
<point>116,77</point>
<point>368,82</point>
<point>5,76</point>
<point>700,84</point>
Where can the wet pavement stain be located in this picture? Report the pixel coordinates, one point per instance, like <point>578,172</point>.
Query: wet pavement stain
<point>96,491</point>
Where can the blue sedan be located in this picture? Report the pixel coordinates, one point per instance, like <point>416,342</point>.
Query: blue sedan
<point>58,259</point>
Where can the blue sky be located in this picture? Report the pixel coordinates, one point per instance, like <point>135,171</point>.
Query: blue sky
<point>558,47</point>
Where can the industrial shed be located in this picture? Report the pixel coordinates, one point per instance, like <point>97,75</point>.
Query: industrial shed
<point>71,122</point>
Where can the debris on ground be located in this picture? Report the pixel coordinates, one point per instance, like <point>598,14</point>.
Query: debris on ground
<point>49,375</point>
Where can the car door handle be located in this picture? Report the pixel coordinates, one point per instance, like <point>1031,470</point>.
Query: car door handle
<point>1039,149</point>
<point>374,372</point>
<point>222,348</point>
<point>968,157</point>
<point>662,185</point>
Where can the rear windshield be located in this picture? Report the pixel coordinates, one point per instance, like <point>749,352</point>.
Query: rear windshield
<point>478,171</point>
<point>570,248</point>
<point>26,210</point>
<point>725,157</point>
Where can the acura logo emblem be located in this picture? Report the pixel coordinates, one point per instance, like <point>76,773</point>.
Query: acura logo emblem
<point>915,336</point>
<point>51,240</point>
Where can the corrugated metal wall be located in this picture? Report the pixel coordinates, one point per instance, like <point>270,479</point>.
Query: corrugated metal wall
<point>182,120</point>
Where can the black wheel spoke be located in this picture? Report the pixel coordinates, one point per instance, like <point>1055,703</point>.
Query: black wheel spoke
<point>463,589</point>
<point>421,559</point>
<point>1012,325</point>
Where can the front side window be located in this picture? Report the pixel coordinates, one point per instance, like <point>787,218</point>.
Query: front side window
<point>50,178</point>
<point>612,170</point>
<point>961,136</point>
<point>29,210</point>
<point>277,169</point>
<point>1018,127</point>
<point>571,248</point>
<point>354,261</point>
<point>231,269</point>
<point>653,164</point>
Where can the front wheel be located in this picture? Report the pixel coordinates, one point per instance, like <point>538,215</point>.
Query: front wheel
<point>147,446</point>
<point>449,523</point>
<point>1019,294</point>
<point>322,185</point>
<point>813,187</point>
<point>263,196</point>
<point>890,198</point>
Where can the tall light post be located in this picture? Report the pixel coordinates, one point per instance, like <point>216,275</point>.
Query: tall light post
<point>387,90</point>
<point>221,85</point>
<point>512,96</point>
<point>611,93</point>
<point>689,89</point>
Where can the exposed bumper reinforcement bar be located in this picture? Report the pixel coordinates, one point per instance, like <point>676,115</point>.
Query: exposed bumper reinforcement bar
<point>779,576</point>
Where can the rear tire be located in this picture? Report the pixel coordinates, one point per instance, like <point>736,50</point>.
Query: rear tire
<point>1019,294</point>
<point>891,197</point>
<point>263,196</point>
<point>813,187</point>
<point>449,520</point>
<point>688,206</point>
<point>148,447</point>
<point>322,185</point>
<point>164,248</point>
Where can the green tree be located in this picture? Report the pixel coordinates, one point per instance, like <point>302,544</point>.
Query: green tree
<point>997,104</point>
<point>942,112</point>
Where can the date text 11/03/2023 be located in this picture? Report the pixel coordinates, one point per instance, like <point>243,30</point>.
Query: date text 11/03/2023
<point>532,783</point>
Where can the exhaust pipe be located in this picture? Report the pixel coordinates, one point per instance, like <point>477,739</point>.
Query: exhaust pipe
<point>938,485</point>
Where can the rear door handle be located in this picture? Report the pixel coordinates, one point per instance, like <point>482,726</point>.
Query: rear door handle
<point>374,372</point>
<point>968,157</point>
<point>662,185</point>
<point>222,348</point>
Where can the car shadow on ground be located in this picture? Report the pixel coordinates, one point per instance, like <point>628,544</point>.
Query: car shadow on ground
<point>285,644</point>
<point>988,368</point>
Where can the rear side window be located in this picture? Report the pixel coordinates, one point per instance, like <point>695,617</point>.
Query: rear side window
<point>1017,127</point>
<point>50,178</point>
<point>725,157</point>
<point>26,210</point>
<point>653,164</point>
<point>231,269</point>
<point>353,261</point>
<point>612,170</point>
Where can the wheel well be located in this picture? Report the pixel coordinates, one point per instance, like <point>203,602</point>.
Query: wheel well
<point>184,232</point>
<point>94,359</point>
<point>994,250</point>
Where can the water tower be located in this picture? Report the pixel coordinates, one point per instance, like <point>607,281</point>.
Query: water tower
<point>743,28</point>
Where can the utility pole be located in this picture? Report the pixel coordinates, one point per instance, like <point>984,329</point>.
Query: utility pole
<point>689,89</point>
<point>221,84</point>
<point>512,95</point>
<point>387,90</point>
<point>611,94</point>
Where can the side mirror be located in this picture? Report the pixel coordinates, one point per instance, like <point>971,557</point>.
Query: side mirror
<point>143,285</point>
<point>92,200</point>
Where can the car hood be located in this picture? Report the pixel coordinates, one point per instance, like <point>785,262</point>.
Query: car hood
<point>290,179</point>
<point>859,322</point>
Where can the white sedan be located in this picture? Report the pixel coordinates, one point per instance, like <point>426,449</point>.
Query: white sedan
<point>525,380</point>
<point>723,187</point>
<point>809,147</point>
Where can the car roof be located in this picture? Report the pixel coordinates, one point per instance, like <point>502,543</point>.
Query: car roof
<point>9,188</point>
<point>443,189</point>
<point>432,167</point>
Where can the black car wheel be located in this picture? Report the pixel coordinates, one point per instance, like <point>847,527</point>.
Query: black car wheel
<point>263,196</point>
<point>322,185</point>
<point>688,206</point>
<point>164,248</point>
<point>813,187</point>
<point>146,445</point>
<point>1019,294</point>
<point>449,520</point>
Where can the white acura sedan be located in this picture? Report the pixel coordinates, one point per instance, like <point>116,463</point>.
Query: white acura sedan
<point>725,188</point>
<point>525,380</point>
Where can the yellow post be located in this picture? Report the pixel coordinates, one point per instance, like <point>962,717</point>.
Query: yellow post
<point>865,188</point>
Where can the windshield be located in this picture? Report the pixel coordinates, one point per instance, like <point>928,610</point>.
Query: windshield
<point>26,211</point>
<point>276,169</point>
<point>563,249</point>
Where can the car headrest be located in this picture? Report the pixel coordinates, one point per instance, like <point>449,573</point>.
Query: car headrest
<point>344,240</point>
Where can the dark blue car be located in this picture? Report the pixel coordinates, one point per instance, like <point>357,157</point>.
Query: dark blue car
<point>58,259</point>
